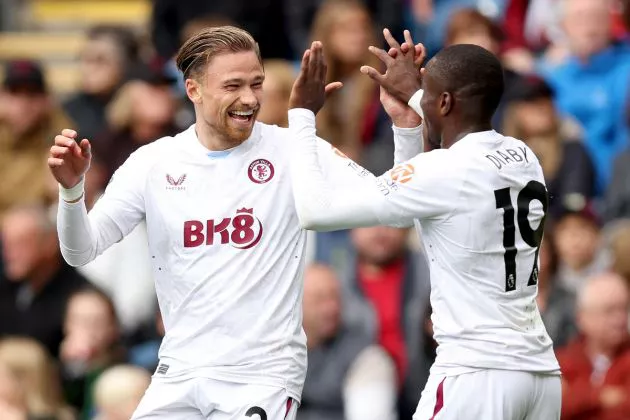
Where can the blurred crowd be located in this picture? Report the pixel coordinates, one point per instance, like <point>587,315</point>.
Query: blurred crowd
<point>82,343</point>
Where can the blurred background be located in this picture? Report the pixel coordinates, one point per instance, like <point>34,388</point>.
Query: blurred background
<point>82,343</point>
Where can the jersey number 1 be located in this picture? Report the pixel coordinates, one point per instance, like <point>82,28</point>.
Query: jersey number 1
<point>534,190</point>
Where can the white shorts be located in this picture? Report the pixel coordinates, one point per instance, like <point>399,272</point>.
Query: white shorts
<point>491,395</point>
<point>208,399</point>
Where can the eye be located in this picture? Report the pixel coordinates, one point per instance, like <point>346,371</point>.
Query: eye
<point>257,85</point>
<point>231,87</point>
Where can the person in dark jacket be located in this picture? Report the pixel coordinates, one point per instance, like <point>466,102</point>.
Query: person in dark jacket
<point>36,283</point>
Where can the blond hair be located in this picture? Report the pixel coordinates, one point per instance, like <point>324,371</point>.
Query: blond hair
<point>203,46</point>
<point>121,387</point>
<point>37,375</point>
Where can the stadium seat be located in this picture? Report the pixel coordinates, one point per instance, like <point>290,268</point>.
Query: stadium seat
<point>40,46</point>
<point>72,13</point>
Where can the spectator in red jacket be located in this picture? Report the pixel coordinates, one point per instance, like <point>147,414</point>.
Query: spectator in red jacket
<point>596,366</point>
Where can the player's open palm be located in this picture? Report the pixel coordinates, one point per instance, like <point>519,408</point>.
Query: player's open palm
<point>310,88</point>
<point>69,160</point>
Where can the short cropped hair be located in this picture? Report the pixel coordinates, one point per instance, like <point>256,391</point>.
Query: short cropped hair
<point>472,74</point>
<point>199,49</point>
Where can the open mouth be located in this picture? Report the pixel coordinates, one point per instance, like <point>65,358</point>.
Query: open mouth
<point>242,116</point>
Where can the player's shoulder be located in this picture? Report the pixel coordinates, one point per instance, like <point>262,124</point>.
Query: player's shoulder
<point>273,132</point>
<point>445,162</point>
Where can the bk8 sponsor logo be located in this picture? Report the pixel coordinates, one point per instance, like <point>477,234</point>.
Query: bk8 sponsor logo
<point>243,231</point>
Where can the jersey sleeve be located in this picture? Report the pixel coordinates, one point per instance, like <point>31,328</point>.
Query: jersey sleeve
<point>84,236</point>
<point>418,188</point>
<point>407,143</point>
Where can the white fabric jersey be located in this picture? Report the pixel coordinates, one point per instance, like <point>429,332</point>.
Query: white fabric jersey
<point>479,207</point>
<point>226,247</point>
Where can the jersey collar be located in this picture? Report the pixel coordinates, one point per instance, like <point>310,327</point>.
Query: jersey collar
<point>192,143</point>
<point>475,138</point>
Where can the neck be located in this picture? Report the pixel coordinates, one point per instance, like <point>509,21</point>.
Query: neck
<point>370,269</point>
<point>40,277</point>
<point>212,140</point>
<point>593,350</point>
<point>455,132</point>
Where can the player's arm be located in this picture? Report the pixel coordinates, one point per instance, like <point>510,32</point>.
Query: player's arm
<point>419,188</point>
<point>83,237</point>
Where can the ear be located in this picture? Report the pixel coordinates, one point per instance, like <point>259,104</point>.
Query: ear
<point>193,90</point>
<point>446,103</point>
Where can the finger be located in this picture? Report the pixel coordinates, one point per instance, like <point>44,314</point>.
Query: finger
<point>323,65</point>
<point>305,59</point>
<point>86,148</point>
<point>405,48</point>
<point>63,141</point>
<point>420,53</point>
<point>69,133</point>
<point>423,71</point>
<point>315,61</point>
<point>391,41</point>
<point>332,87</point>
<point>408,38</point>
<point>382,55</point>
<point>59,151</point>
<point>393,52</point>
<point>373,74</point>
<point>55,162</point>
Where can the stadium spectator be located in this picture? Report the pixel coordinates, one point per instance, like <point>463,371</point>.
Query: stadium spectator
<point>36,283</point>
<point>567,166</point>
<point>37,377</point>
<point>619,245</point>
<point>592,85</point>
<point>118,391</point>
<point>578,240</point>
<point>617,198</point>
<point>386,290</point>
<point>107,56</point>
<point>346,28</point>
<point>469,26</point>
<point>279,78</point>
<point>596,366</point>
<point>29,119</point>
<point>530,26</point>
<point>91,344</point>
<point>348,378</point>
<point>12,399</point>
<point>428,19</point>
<point>142,111</point>
<point>555,302</point>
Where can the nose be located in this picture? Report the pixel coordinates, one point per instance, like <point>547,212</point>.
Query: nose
<point>248,98</point>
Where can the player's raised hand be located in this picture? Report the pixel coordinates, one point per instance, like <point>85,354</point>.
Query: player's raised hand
<point>402,77</point>
<point>400,113</point>
<point>68,160</point>
<point>310,88</point>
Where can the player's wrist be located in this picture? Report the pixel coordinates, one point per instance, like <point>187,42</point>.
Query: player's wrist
<point>73,194</point>
<point>410,120</point>
<point>414,102</point>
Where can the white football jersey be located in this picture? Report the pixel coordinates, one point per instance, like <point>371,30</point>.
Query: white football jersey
<point>227,251</point>
<point>479,207</point>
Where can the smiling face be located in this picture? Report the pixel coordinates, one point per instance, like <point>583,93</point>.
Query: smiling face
<point>228,94</point>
